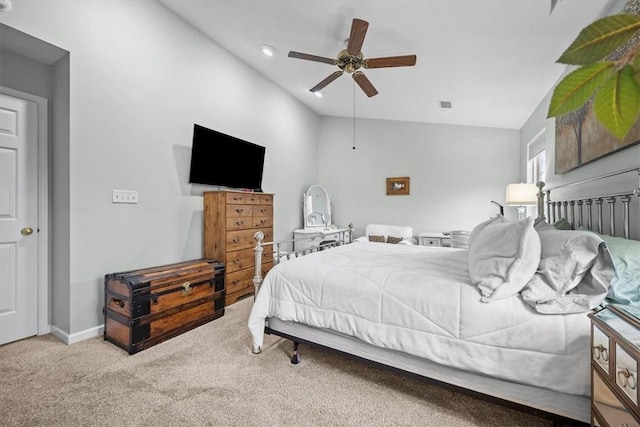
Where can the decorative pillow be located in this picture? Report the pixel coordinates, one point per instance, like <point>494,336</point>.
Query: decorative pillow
<point>394,240</point>
<point>379,239</point>
<point>503,256</point>
<point>574,273</point>
<point>625,254</point>
<point>562,224</point>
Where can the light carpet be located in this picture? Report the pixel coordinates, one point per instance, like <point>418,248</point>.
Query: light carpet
<point>209,377</point>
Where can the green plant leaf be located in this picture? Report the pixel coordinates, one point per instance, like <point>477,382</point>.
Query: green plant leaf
<point>636,65</point>
<point>600,39</point>
<point>617,103</point>
<point>577,87</point>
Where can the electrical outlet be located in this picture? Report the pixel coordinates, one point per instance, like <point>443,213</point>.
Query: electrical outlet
<point>125,196</point>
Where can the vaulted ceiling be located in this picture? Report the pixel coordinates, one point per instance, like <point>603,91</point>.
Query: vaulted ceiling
<point>493,60</point>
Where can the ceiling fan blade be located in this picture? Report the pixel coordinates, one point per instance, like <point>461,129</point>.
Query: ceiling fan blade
<point>364,84</point>
<point>315,58</point>
<point>390,61</point>
<point>326,81</point>
<point>356,38</point>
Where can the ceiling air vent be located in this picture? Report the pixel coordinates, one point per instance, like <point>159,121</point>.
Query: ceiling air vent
<point>444,104</point>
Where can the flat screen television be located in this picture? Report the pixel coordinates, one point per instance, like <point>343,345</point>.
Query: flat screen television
<point>219,159</point>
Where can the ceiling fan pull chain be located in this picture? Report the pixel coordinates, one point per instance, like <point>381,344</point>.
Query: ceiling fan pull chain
<point>354,115</point>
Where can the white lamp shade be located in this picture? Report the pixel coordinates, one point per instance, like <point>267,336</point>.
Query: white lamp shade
<point>522,194</point>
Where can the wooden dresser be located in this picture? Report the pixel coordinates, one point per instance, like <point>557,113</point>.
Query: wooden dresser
<point>231,220</point>
<point>615,352</point>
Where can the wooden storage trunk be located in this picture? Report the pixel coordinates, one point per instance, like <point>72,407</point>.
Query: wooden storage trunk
<point>145,307</point>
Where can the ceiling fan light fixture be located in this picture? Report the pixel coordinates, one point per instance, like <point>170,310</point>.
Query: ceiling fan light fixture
<point>268,50</point>
<point>318,93</point>
<point>351,59</point>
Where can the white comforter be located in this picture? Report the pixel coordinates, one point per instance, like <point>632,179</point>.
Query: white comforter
<point>420,300</point>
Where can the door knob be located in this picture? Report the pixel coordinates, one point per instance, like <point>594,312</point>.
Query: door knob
<point>26,231</point>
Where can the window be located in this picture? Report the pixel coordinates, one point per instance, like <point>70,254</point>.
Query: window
<point>536,165</point>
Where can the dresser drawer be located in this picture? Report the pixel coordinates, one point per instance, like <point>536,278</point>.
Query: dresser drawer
<point>260,222</point>
<point>626,372</point>
<point>608,405</point>
<point>262,211</point>
<point>600,352</point>
<point>244,259</point>
<point>239,211</point>
<point>425,241</point>
<point>243,239</point>
<point>232,198</point>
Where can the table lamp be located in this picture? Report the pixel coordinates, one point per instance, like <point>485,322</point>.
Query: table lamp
<point>522,195</point>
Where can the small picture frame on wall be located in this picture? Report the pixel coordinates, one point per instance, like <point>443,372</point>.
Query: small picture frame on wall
<point>398,186</point>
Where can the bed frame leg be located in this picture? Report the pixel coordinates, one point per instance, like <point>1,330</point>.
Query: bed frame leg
<point>295,359</point>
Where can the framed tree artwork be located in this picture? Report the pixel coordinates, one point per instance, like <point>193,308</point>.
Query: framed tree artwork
<point>580,139</point>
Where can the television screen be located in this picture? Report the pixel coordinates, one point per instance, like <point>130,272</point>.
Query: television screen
<point>219,159</point>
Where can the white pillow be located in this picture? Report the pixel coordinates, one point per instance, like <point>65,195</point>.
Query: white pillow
<point>503,256</point>
<point>574,274</point>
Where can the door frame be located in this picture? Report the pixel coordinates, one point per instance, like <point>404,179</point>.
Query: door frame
<point>44,324</point>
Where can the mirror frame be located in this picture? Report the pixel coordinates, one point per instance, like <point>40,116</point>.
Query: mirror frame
<point>308,213</point>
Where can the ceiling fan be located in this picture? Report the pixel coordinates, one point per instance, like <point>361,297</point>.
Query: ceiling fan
<point>351,60</point>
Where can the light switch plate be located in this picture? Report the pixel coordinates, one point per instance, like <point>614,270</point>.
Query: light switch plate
<point>125,196</point>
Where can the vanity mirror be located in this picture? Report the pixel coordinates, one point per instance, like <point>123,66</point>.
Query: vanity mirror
<point>318,223</point>
<point>317,207</point>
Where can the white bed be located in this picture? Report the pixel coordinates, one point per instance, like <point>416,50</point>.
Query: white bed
<point>421,310</point>
<point>420,301</point>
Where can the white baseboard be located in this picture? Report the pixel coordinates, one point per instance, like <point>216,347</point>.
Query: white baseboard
<point>70,339</point>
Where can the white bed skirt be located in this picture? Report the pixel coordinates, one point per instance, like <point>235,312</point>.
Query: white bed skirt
<point>562,404</point>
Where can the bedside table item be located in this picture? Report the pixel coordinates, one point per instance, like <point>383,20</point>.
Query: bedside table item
<point>433,238</point>
<point>460,239</point>
<point>615,352</point>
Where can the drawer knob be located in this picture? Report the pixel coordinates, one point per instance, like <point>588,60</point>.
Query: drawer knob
<point>600,351</point>
<point>627,378</point>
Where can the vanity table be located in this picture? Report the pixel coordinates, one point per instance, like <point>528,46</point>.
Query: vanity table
<point>318,228</point>
<point>315,236</point>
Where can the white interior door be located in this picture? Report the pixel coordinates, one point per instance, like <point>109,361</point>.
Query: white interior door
<point>18,218</point>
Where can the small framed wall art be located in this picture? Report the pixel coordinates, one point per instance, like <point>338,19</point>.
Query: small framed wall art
<point>398,186</point>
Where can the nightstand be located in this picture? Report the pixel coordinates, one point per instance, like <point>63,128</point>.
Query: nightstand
<point>433,238</point>
<point>615,352</point>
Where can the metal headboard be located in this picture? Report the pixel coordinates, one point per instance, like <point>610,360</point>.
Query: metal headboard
<point>579,212</point>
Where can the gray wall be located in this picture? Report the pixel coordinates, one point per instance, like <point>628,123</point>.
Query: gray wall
<point>139,78</point>
<point>455,172</point>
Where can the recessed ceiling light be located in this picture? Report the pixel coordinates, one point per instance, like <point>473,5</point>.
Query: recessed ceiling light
<point>268,50</point>
<point>5,5</point>
<point>444,104</point>
<point>318,93</point>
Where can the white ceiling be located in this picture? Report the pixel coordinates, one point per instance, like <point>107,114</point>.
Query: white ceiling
<point>494,60</point>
